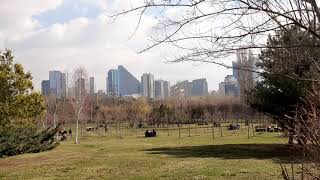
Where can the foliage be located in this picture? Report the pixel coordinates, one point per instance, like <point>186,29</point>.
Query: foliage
<point>19,108</point>
<point>282,87</point>
<point>18,103</point>
<point>27,140</point>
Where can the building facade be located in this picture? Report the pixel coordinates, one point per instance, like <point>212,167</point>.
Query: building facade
<point>166,87</point>
<point>147,85</point>
<point>199,87</point>
<point>58,84</point>
<point>181,88</point>
<point>128,84</point>
<point>45,87</point>
<point>113,83</point>
<point>120,82</point>
<point>91,85</point>
<point>229,87</point>
<point>162,89</point>
<point>159,89</point>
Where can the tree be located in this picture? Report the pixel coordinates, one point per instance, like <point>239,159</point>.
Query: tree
<point>18,101</point>
<point>206,30</point>
<point>52,108</point>
<point>307,119</point>
<point>79,95</point>
<point>279,95</point>
<point>20,106</point>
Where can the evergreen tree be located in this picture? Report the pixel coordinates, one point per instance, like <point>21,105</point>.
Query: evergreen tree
<point>19,108</point>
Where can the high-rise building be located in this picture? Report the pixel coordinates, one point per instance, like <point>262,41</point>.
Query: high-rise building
<point>199,87</point>
<point>182,88</point>
<point>159,89</point>
<point>45,87</point>
<point>229,87</point>
<point>120,82</point>
<point>113,83</point>
<point>129,85</point>
<point>147,84</point>
<point>91,85</point>
<point>247,76</point>
<point>80,87</point>
<point>166,87</point>
<point>58,82</point>
<point>235,70</point>
<point>162,89</point>
<point>64,84</point>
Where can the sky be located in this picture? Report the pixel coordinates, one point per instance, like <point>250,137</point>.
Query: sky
<point>65,34</point>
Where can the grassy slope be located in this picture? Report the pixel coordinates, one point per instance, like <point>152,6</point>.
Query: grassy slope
<point>106,156</point>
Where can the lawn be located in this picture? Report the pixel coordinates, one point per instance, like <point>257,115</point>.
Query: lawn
<point>107,156</point>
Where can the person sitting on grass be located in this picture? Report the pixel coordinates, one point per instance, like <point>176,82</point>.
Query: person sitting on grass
<point>150,134</point>
<point>153,133</point>
<point>147,134</point>
<point>64,136</point>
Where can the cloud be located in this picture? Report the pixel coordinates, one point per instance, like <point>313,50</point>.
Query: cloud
<point>96,42</point>
<point>16,15</point>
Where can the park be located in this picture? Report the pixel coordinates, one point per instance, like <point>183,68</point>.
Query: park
<point>132,156</point>
<point>261,122</point>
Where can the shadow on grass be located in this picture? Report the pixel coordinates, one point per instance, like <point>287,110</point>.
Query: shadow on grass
<point>228,151</point>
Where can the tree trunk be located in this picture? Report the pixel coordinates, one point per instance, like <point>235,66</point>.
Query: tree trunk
<point>55,124</point>
<point>212,130</point>
<point>179,130</point>
<point>253,128</point>
<point>220,128</point>
<point>77,131</point>
<point>233,128</point>
<point>248,130</point>
<point>291,137</point>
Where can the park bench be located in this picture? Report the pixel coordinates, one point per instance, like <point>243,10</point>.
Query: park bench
<point>260,129</point>
<point>234,127</point>
<point>90,128</point>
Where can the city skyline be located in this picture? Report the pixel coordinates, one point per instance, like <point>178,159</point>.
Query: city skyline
<point>104,87</point>
<point>120,82</point>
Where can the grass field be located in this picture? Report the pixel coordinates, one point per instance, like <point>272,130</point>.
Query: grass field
<point>106,156</point>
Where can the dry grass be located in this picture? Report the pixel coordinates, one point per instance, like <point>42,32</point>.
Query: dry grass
<point>106,156</point>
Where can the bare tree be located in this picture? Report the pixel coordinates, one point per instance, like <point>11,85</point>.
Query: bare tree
<point>209,30</point>
<point>78,95</point>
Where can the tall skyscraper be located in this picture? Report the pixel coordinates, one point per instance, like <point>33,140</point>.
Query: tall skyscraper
<point>113,82</point>
<point>235,70</point>
<point>159,89</point>
<point>147,83</point>
<point>80,87</point>
<point>166,87</point>
<point>199,87</point>
<point>91,85</point>
<point>129,85</point>
<point>58,82</point>
<point>64,85</point>
<point>45,87</point>
<point>121,82</point>
<point>246,77</point>
<point>162,89</point>
<point>229,87</point>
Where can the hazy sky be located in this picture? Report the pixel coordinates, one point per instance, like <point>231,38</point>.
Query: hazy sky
<point>64,34</point>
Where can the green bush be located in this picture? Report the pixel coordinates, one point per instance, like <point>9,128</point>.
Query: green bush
<point>27,140</point>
